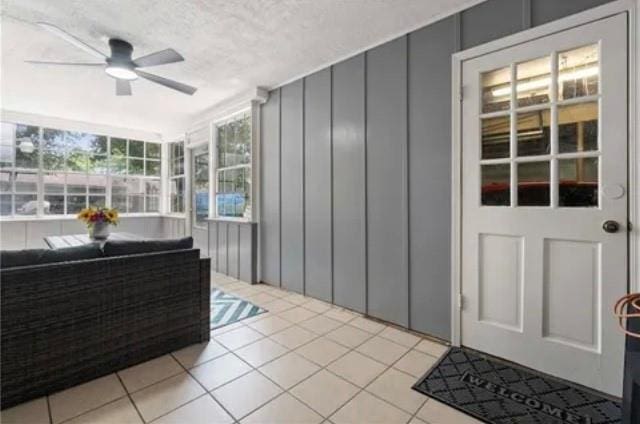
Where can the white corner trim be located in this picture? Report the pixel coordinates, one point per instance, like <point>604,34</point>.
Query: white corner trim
<point>632,7</point>
<point>81,126</point>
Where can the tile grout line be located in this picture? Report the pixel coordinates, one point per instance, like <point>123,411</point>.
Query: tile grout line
<point>126,390</point>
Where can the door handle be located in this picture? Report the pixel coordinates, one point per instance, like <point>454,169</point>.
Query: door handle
<point>610,226</point>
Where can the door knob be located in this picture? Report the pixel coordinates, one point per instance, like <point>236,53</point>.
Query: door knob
<point>610,226</point>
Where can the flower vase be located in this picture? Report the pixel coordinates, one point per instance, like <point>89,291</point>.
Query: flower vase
<point>99,231</point>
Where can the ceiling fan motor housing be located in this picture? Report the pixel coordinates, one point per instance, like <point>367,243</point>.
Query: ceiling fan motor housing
<point>120,52</point>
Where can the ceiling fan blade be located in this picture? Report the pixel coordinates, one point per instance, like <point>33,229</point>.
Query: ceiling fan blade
<point>71,39</point>
<point>159,58</point>
<point>178,86</point>
<point>44,62</point>
<point>123,87</point>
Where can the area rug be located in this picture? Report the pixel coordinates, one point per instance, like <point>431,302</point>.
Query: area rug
<point>499,392</point>
<point>227,309</point>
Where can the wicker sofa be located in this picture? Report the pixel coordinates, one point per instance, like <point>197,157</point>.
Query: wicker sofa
<point>70,322</point>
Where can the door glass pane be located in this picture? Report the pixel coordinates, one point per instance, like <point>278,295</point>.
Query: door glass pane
<point>533,133</point>
<point>578,127</point>
<point>578,182</point>
<point>496,90</point>
<point>496,185</point>
<point>533,184</point>
<point>533,81</point>
<point>495,137</point>
<point>578,72</point>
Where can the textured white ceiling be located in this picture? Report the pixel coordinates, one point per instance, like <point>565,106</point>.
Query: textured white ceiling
<point>230,47</point>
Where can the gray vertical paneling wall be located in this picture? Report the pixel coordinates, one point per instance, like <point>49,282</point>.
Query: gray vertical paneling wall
<point>270,190</point>
<point>349,194</point>
<point>388,286</point>
<point>291,186</point>
<point>317,185</point>
<point>233,249</point>
<point>390,187</point>
<point>430,51</point>
<point>223,240</point>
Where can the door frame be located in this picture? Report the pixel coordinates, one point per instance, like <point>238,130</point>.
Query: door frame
<point>632,7</point>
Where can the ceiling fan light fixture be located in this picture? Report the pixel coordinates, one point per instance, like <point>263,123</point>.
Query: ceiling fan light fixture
<point>121,72</point>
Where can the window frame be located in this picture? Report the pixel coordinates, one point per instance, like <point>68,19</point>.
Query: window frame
<point>41,172</point>
<point>176,178</point>
<point>246,113</point>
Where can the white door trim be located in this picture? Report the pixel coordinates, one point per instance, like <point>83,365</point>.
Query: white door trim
<point>606,10</point>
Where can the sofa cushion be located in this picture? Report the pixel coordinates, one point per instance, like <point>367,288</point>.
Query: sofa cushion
<point>27,257</point>
<point>133,247</point>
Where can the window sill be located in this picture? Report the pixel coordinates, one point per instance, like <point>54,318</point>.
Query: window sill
<point>69,217</point>
<point>232,220</point>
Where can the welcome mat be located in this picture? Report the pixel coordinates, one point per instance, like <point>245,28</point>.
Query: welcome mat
<point>498,392</point>
<point>227,309</point>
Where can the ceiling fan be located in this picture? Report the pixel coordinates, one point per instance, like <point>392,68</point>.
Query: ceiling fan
<point>120,65</point>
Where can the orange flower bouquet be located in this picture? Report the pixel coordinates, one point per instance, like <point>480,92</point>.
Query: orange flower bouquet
<point>98,220</point>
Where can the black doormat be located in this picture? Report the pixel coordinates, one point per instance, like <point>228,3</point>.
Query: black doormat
<point>499,392</point>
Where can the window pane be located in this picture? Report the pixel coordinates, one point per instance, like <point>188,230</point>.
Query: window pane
<point>97,184</point>
<point>7,144</point>
<point>136,204</point>
<point>177,195</point>
<point>533,133</point>
<point>75,204</point>
<point>27,146</point>
<point>26,204</point>
<point>578,72</point>
<point>53,183</point>
<point>118,147</point>
<point>533,81</point>
<point>53,150</point>
<point>118,165</point>
<point>97,201</point>
<point>76,184</point>
<point>578,182</point>
<point>578,127</point>
<point>5,204</point>
<point>136,148</point>
<point>118,186</point>
<point>26,182</point>
<point>496,185</point>
<point>78,162</point>
<point>221,139</point>
<point>153,150</point>
<point>153,203</point>
<point>136,167</point>
<point>152,188</point>
<point>153,168</point>
<point>496,90</point>
<point>495,137</point>
<point>533,184</point>
<point>6,182</point>
<point>119,202</point>
<point>176,159</point>
<point>98,144</point>
<point>98,164</point>
<point>53,204</point>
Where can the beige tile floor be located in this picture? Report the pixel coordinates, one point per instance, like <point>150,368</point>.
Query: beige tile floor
<point>305,361</point>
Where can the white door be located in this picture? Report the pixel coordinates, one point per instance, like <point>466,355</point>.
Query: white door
<point>200,198</point>
<point>544,165</point>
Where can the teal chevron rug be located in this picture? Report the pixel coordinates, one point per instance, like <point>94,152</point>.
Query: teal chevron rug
<point>227,309</point>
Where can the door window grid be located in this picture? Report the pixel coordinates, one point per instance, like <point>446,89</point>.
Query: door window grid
<point>572,170</point>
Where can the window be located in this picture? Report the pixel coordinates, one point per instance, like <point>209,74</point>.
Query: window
<point>539,132</point>
<point>176,177</point>
<point>74,170</point>
<point>233,171</point>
